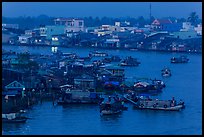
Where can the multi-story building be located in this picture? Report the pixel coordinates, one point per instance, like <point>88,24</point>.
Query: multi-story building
<point>33,33</point>
<point>71,24</point>
<point>49,31</point>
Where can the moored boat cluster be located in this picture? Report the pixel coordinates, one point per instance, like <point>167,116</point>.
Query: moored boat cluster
<point>98,78</point>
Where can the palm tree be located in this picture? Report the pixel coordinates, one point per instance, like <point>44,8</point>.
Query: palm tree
<point>193,18</point>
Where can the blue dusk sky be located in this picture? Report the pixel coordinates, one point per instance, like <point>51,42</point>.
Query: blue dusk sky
<point>101,9</point>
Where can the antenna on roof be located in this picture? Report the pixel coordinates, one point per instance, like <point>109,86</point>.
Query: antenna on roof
<point>150,13</point>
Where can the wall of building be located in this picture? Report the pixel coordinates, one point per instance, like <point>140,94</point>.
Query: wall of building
<point>172,27</point>
<point>185,34</point>
<point>54,30</point>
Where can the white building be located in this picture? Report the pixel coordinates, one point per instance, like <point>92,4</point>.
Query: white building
<point>24,39</point>
<point>71,24</point>
<point>198,29</point>
<point>187,26</point>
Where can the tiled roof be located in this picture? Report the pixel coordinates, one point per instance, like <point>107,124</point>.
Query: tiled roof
<point>163,21</point>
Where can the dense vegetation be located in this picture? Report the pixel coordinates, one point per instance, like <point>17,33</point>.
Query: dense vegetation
<point>28,22</point>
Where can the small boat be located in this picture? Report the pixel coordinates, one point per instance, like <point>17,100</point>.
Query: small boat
<point>181,59</point>
<point>13,118</point>
<point>166,72</point>
<point>140,102</point>
<point>129,61</point>
<point>111,106</point>
<point>148,86</point>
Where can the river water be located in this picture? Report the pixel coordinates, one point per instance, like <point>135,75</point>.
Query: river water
<point>185,84</point>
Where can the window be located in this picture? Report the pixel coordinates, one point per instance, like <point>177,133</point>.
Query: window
<point>80,23</point>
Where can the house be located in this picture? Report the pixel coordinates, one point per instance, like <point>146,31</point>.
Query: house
<point>122,24</point>
<point>58,40</point>
<point>71,24</point>
<point>24,39</point>
<point>116,70</point>
<point>186,26</point>
<point>84,82</point>
<point>49,31</point>
<point>33,32</point>
<point>16,87</point>
<point>160,25</point>
<point>38,40</point>
<point>103,75</point>
<point>111,73</point>
<point>112,43</point>
<point>198,29</point>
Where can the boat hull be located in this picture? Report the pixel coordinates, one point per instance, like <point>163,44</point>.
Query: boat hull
<point>175,108</point>
<point>110,112</point>
<point>22,120</point>
<point>76,102</point>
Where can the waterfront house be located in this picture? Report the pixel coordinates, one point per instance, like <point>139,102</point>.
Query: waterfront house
<point>15,86</point>
<point>84,82</point>
<point>115,73</point>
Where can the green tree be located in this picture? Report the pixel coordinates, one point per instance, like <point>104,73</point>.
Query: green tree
<point>141,21</point>
<point>193,18</point>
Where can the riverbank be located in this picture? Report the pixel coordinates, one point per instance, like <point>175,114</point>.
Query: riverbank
<point>109,48</point>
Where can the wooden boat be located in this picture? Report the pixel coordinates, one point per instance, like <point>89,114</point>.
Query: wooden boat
<point>110,112</point>
<point>13,118</point>
<point>129,61</point>
<point>181,59</point>
<point>112,107</point>
<point>166,72</point>
<point>148,86</point>
<point>155,104</point>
